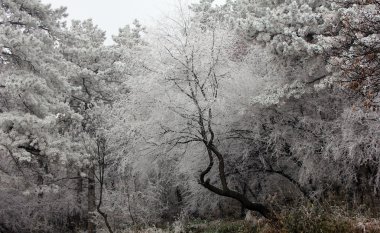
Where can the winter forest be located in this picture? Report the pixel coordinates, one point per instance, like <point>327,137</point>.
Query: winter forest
<point>249,116</point>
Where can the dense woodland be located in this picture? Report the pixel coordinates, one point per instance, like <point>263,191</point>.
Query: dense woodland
<point>261,108</point>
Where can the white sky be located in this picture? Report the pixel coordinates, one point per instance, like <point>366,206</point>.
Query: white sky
<point>110,15</point>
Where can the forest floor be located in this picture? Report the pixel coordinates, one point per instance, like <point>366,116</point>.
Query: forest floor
<point>263,226</point>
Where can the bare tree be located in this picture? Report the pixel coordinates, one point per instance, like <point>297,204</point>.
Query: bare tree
<point>196,77</point>
<point>101,162</point>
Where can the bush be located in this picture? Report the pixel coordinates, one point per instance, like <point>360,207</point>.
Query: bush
<point>315,220</point>
<point>223,227</point>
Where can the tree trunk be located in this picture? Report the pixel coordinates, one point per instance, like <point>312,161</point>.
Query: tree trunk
<point>225,190</point>
<point>91,198</point>
<point>77,218</point>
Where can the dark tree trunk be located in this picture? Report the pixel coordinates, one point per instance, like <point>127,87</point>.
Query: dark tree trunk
<point>225,190</point>
<point>91,200</point>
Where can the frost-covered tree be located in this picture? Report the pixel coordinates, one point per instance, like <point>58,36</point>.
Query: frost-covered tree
<point>322,43</point>
<point>332,41</point>
<point>240,103</point>
<point>34,89</point>
<point>100,75</point>
<point>197,63</point>
<point>358,60</point>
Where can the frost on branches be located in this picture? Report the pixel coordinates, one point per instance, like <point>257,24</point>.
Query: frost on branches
<point>255,105</point>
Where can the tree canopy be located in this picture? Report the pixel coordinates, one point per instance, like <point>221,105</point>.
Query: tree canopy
<point>250,105</point>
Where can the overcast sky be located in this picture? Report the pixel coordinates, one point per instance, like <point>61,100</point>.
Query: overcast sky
<point>110,15</point>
